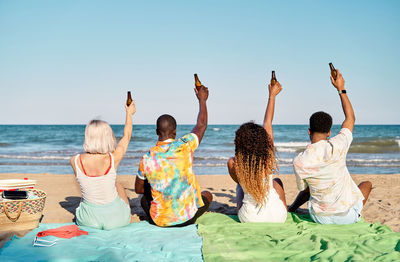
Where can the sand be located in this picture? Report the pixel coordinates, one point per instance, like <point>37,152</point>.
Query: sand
<point>63,196</point>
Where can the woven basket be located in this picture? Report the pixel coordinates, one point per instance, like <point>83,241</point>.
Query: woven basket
<point>22,214</point>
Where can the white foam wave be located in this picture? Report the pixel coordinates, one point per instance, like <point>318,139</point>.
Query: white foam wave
<point>375,160</point>
<point>211,158</point>
<point>35,157</point>
<point>216,128</point>
<point>209,164</point>
<point>292,144</point>
<point>290,147</point>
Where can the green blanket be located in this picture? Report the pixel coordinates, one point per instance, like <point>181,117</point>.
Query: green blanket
<point>298,239</point>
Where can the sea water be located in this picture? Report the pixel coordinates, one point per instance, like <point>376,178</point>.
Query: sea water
<point>48,148</point>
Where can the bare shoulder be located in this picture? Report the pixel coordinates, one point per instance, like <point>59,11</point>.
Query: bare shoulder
<point>231,164</point>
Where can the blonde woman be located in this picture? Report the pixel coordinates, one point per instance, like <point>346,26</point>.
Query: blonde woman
<point>260,198</point>
<point>104,202</point>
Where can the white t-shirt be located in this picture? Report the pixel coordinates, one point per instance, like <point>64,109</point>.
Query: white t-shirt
<point>322,168</point>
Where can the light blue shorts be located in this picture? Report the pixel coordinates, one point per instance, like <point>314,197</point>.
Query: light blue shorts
<point>352,216</point>
<point>113,215</point>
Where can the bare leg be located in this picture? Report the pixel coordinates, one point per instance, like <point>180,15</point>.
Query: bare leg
<point>301,198</point>
<point>365,188</point>
<point>239,197</point>
<point>121,192</point>
<point>278,186</point>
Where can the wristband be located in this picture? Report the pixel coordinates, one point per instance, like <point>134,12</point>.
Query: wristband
<point>342,92</point>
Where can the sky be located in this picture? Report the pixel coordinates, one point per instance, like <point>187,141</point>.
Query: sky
<point>67,62</point>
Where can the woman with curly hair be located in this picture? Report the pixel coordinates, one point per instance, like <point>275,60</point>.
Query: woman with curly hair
<point>260,198</point>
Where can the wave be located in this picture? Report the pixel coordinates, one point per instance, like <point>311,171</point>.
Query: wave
<point>35,157</point>
<point>372,146</point>
<point>225,158</point>
<point>4,144</point>
<point>380,145</point>
<point>35,164</point>
<point>208,164</point>
<point>291,147</point>
<point>373,162</point>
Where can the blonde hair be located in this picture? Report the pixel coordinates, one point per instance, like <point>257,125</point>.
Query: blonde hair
<point>254,160</point>
<point>99,138</point>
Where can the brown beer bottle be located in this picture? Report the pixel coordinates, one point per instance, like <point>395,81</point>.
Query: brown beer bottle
<point>197,82</point>
<point>273,79</point>
<point>129,99</point>
<point>333,71</point>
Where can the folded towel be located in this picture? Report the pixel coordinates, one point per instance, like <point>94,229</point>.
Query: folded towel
<point>69,231</point>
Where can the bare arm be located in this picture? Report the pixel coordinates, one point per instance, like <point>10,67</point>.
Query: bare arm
<point>349,115</point>
<point>122,146</point>
<point>202,118</point>
<point>269,113</point>
<point>139,185</point>
<point>231,169</point>
<point>72,163</point>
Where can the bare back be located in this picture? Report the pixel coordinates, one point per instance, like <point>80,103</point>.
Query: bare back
<point>93,164</point>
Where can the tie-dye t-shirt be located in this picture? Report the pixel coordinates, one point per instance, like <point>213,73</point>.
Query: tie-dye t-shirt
<point>322,168</point>
<point>175,190</point>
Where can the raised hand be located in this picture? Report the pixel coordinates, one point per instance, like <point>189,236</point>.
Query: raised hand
<point>275,89</point>
<point>131,109</point>
<point>202,93</point>
<point>339,82</point>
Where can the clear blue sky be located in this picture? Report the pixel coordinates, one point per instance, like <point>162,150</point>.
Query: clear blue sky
<point>66,62</point>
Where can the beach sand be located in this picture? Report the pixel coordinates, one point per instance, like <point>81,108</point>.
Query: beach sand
<point>63,196</point>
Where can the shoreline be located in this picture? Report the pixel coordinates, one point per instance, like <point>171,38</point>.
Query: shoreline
<point>64,195</point>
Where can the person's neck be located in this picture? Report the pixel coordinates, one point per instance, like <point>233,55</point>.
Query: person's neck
<point>163,138</point>
<point>316,137</point>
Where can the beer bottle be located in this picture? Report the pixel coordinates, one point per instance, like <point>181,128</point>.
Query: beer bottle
<point>273,79</point>
<point>129,99</point>
<point>333,71</point>
<point>197,82</point>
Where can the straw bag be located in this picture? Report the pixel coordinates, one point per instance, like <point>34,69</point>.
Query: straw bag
<point>23,214</point>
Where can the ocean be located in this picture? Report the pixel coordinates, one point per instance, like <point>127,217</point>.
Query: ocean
<point>48,148</point>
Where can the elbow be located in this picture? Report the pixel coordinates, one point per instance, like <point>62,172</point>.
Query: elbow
<point>139,190</point>
<point>202,125</point>
<point>352,118</point>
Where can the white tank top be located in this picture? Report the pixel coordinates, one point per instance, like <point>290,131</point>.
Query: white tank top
<point>273,209</point>
<point>98,190</point>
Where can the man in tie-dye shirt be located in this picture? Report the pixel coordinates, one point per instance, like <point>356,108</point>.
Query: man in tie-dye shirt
<point>321,171</point>
<point>172,195</point>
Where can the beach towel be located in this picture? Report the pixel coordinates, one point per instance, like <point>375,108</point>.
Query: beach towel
<point>135,242</point>
<point>298,239</point>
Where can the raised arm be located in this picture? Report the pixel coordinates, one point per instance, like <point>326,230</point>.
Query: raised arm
<point>122,146</point>
<point>350,118</point>
<point>269,113</point>
<point>202,118</point>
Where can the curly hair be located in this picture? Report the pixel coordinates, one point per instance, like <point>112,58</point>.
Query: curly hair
<point>254,160</point>
<point>320,122</point>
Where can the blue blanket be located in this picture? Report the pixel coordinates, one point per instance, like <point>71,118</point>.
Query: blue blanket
<point>135,242</point>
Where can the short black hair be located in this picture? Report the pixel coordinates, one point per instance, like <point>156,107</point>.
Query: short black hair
<point>166,124</point>
<point>320,122</point>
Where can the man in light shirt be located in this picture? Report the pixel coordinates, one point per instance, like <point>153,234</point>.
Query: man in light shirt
<point>321,172</point>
